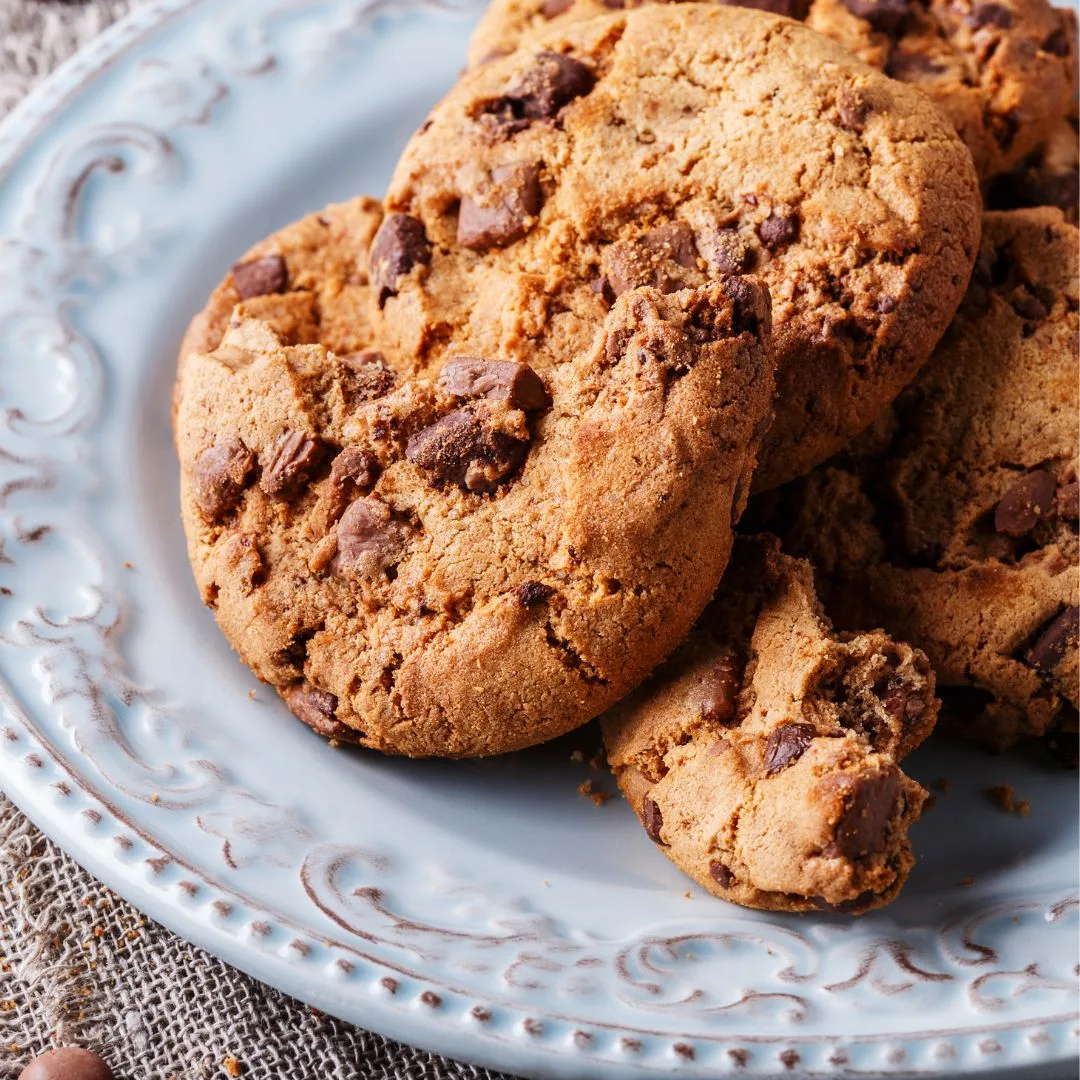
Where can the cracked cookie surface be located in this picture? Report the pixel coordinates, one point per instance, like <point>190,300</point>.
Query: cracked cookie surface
<point>655,148</point>
<point>483,557</point>
<point>1003,72</point>
<point>953,523</point>
<point>763,757</point>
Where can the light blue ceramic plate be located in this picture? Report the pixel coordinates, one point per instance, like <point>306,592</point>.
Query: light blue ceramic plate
<point>483,910</point>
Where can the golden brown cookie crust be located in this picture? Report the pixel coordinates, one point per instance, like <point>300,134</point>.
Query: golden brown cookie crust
<point>475,562</point>
<point>1003,72</point>
<point>763,756</point>
<point>848,194</point>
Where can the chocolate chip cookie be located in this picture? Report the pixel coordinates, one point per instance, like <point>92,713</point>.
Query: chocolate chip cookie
<point>763,757</point>
<point>484,556</point>
<point>665,146</point>
<point>953,523</point>
<point>1004,73</point>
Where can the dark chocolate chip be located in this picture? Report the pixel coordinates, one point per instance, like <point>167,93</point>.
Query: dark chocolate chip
<point>504,211</point>
<point>886,16</point>
<point>1029,307</point>
<point>260,277</point>
<point>778,230</point>
<point>400,244</point>
<point>674,241</point>
<point>219,476</point>
<point>602,286</point>
<point>1057,637</point>
<point>290,463</point>
<point>551,8</point>
<point>721,875</point>
<point>369,377</point>
<point>750,305</point>
<point>533,593</point>
<point>995,15</point>
<point>728,252</point>
<point>904,705</point>
<point>369,540</point>
<point>793,9</point>
<point>1030,499</point>
<point>1057,43</point>
<point>548,87</point>
<point>720,691</point>
<point>459,449</point>
<point>869,802</point>
<point>653,820</point>
<point>614,5</point>
<point>785,745</point>
<point>502,380</point>
<point>317,709</point>
<point>354,471</point>
<point>852,108</point>
<point>67,1063</point>
<point>1067,501</point>
<point>902,63</point>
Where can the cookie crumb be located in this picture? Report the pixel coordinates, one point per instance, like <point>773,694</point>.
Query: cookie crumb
<point>577,757</point>
<point>966,881</point>
<point>942,784</point>
<point>232,1066</point>
<point>251,695</point>
<point>931,802</point>
<point>128,565</point>
<point>1004,796</point>
<point>155,798</point>
<point>592,790</point>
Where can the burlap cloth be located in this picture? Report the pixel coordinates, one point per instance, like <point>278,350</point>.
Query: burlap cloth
<point>77,964</point>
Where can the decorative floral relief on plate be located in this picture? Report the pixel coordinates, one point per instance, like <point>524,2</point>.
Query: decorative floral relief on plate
<point>480,909</point>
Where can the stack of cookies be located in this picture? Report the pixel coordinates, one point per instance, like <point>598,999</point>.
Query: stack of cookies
<point>679,379</point>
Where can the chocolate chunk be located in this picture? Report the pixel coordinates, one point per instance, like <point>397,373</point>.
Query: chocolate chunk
<point>317,709</point>
<point>1029,307</point>
<point>1057,43</point>
<point>793,9</point>
<point>994,15</point>
<point>902,63</point>
<point>219,476</point>
<point>460,449</point>
<point>721,875</point>
<point>869,802</point>
<point>674,241</point>
<point>369,376</point>
<point>905,706</point>
<point>727,251</point>
<point>1067,501</point>
<point>852,109</point>
<point>779,230</point>
<point>502,380</point>
<point>653,820</point>
<point>602,286</point>
<point>400,244</point>
<point>551,8</point>
<point>720,691</point>
<point>553,83</point>
<point>785,745</point>
<point>614,5</point>
<point>369,541</point>
<point>1061,634</point>
<point>260,277</point>
<point>886,16</point>
<point>504,211</point>
<point>750,305</point>
<point>533,593</point>
<point>290,463</point>
<point>1030,498</point>
<point>354,471</point>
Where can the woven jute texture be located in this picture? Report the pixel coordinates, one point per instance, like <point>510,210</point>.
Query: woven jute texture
<point>80,966</point>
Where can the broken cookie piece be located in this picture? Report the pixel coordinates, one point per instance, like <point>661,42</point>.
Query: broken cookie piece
<point>763,757</point>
